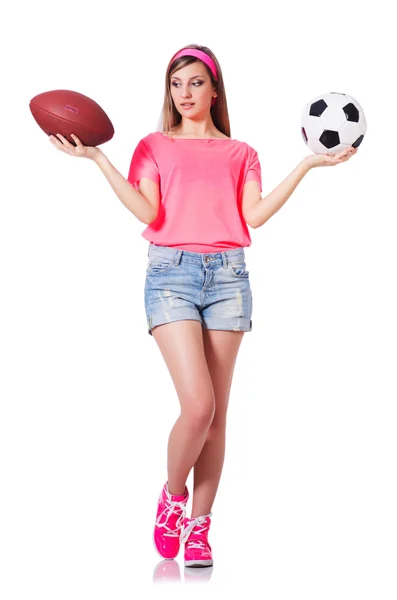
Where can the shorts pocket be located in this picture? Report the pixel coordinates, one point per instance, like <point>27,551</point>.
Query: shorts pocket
<point>239,269</point>
<point>159,265</point>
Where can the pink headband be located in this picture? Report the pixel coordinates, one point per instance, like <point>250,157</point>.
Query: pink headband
<point>202,56</point>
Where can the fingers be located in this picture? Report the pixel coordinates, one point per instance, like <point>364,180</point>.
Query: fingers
<point>57,143</point>
<point>342,156</point>
<point>64,144</point>
<point>76,140</point>
<point>346,154</point>
<point>64,140</point>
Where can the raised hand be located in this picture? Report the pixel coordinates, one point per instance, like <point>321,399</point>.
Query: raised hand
<point>64,145</point>
<point>329,160</point>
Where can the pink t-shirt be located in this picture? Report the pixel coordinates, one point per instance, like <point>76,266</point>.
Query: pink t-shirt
<point>201,183</point>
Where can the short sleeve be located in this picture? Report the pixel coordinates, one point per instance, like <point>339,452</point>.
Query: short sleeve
<point>253,172</point>
<point>143,164</point>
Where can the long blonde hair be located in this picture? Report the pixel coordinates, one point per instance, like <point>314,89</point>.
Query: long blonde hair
<point>170,117</point>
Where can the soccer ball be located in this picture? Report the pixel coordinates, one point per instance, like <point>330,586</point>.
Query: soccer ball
<point>332,122</point>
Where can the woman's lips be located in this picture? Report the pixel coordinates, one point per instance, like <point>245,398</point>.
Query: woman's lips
<point>187,106</point>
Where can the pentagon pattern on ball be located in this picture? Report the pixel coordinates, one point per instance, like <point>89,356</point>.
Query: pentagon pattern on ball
<point>317,108</point>
<point>332,122</point>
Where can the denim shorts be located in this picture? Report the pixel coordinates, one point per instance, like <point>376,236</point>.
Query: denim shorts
<point>211,288</point>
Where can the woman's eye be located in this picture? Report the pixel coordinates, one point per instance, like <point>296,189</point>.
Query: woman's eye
<point>175,83</point>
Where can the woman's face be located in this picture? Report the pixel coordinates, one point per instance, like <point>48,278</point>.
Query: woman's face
<point>192,84</point>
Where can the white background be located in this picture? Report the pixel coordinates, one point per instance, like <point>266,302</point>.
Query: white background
<point>305,504</point>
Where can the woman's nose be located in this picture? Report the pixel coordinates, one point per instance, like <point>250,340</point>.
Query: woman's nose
<point>186,94</point>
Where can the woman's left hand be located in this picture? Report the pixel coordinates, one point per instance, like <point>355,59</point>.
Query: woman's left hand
<point>329,160</point>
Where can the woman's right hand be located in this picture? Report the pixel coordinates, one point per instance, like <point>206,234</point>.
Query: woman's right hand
<point>63,144</point>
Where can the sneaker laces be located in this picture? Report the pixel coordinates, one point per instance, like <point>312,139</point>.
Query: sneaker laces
<point>171,507</point>
<point>196,544</point>
<point>201,526</point>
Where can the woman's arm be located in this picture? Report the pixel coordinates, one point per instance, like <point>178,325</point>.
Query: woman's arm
<point>270,204</point>
<point>136,202</point>
<point>267,206</point>
<point>127,194</point>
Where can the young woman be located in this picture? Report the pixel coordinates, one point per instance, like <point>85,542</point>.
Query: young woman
<point>196,189</point>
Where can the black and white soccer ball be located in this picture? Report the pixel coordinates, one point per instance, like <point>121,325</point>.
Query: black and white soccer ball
<point>333,122</point>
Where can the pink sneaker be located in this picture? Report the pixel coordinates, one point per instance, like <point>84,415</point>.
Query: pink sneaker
<point>198,552</point>
<point>171,510</point>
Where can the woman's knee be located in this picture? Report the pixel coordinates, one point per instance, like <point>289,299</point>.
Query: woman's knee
<point>199,413</point>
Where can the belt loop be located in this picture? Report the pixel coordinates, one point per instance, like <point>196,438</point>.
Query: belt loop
<point>224,260</point>
<point>177,259</point>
